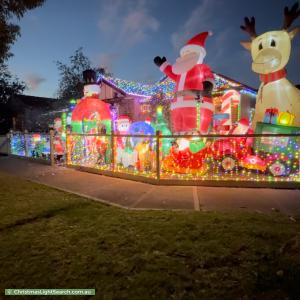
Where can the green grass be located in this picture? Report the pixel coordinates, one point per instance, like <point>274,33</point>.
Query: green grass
<point>52,239</point>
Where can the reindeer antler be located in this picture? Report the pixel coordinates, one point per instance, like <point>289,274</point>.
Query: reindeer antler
<point>290,15</point>
<point>249,27</point>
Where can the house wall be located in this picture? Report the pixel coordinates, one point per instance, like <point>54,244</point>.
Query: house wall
<point>129,106</point>
<point>107,92</point>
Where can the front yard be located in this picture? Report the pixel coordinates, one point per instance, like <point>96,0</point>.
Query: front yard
<point>52,239</point>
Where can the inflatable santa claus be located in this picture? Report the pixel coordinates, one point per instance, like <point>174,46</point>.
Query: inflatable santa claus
<point>194,83</point>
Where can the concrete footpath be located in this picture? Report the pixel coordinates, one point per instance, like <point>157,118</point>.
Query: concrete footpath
<point>136,195</point>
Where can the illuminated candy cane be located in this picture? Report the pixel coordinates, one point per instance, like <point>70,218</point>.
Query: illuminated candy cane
<point>230,98</point>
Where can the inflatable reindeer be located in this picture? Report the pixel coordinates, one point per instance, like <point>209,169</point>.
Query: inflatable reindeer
<point>270,54</point>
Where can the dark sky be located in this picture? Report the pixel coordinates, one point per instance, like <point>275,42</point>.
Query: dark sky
<point>125,35</point>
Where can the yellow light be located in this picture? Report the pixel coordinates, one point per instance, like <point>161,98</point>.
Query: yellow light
<point>159,109</point>
<point>285,118</point>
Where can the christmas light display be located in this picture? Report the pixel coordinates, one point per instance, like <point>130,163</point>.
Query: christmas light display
<point>35,145</point>
<point>270,54</point>
<point>167,87</point>
<point>192,157</point>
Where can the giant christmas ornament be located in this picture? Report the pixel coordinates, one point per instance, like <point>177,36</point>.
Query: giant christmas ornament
<point>194,82</point>
<point>270,54</point>
<point>91,112</point>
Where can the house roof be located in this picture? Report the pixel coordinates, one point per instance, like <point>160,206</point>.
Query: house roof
<point>167,86</point>
<point>19,103</point>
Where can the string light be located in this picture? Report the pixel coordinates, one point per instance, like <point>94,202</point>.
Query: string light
<point>167,87</point>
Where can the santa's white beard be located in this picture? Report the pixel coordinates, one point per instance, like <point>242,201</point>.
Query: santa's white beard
<point>184,63</point>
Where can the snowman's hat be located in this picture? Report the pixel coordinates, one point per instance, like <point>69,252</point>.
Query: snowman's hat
<point>196,43</point>
<point>89,76</point>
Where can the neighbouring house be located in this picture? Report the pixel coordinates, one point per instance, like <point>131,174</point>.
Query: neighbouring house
<point>34,114</point>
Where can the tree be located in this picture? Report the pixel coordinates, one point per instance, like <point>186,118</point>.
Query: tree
<point>9,31</point>
<point>9,85</point>
<point>71,81</point>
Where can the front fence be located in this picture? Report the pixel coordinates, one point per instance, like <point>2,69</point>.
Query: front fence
<point>257,159</point>
<point>32,145</point>
<point>252,158</point>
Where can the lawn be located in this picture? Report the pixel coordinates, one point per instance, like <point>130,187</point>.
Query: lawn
<point>52,239</point>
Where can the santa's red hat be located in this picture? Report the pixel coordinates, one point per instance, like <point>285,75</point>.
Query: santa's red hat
<point>148,120</point>
<point>196,43</point>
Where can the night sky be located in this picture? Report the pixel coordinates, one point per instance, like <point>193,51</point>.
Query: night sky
<point>125,35</point>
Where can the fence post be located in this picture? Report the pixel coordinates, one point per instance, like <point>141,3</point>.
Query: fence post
<point>157,155</point>
<point>112,143</point>
<point>51,132</point>
<point>25,143</point>
<point>66,150</point>
<point>8,136</point>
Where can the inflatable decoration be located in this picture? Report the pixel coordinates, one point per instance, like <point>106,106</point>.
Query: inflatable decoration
<point>129,155</point>
<point>146,157</point>
<point>243,128</point>
<point>91,112</point>
<point>271,115</point>
<point>58,143</point>
<point>286,118</point>
<point>181,160</point>
<point>140,128</point>
<point>230,102</point>
<point>197,144</point>
<point>138,149</point>
<point>123,124</point>
<point>270,54</point>
<point>161,125</point>
<point>194,84</point>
